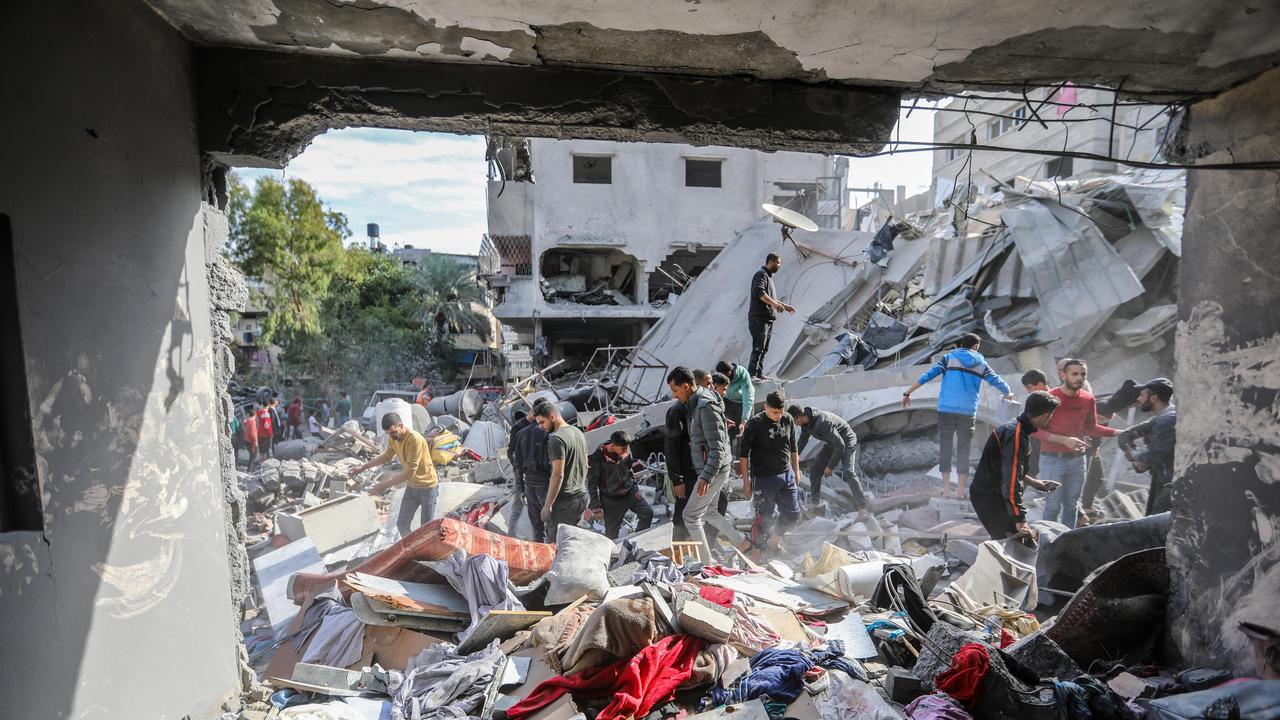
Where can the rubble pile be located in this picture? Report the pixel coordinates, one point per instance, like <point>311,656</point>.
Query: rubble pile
<point>913,615</point>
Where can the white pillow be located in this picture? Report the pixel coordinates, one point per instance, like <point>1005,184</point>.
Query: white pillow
<point>581,566</point>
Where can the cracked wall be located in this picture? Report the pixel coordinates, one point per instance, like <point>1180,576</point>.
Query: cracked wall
<point>122,607</point>
<point>261,108</point>
<point>1224,546</point>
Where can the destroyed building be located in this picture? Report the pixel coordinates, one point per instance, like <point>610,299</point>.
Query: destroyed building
<point>122,563</point>
<point>590,242</point>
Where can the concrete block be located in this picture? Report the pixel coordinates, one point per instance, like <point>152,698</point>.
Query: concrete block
<point>1041,654</point>
<point>902,686</point>
<point>489,471</point>
<point>705,619</point>
<point>333,524</point>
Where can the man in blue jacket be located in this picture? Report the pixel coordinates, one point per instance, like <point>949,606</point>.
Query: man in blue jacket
<point>963,370</point>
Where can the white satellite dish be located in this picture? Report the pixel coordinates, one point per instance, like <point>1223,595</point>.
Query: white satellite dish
<point>790,218</point>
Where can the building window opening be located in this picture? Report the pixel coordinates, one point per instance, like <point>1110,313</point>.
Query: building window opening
<point>593,169</point>
<point>702,173</point>
<point>589,277</point>
<point>20,504</point>
<point>677,272</point>
<point>1059,167</point>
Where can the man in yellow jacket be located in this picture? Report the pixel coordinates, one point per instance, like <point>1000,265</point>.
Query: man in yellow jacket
<point>417,472</point>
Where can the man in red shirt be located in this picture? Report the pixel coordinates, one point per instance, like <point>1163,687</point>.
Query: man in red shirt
<point>1062,444</point>
<point>266,432</point>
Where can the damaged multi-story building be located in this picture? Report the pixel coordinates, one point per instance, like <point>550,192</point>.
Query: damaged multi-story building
<point>122,566</point>
<point>590,242</point>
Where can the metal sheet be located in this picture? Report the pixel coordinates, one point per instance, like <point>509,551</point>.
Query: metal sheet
<point>1074,269</point>
<point>274,570</point>
<point>852,631</point>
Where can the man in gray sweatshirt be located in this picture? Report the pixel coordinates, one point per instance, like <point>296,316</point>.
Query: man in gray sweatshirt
<point>709,441</point>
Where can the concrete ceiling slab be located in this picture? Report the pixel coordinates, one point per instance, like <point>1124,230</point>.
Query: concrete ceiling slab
<point>1180,47</point>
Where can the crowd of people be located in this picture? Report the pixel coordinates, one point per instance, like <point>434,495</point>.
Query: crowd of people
<point>261,424</point>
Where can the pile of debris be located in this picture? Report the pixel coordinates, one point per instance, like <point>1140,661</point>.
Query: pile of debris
<point>915,616</point>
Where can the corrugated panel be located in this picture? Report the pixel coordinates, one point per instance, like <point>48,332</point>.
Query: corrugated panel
<point>948,256</point>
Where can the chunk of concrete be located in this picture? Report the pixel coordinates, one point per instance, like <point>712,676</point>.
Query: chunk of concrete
<point>704,619</point>
<point>332,524</point>
<point>1043,656</point>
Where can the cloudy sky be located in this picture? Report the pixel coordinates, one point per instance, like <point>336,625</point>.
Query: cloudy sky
<point>427,189</point>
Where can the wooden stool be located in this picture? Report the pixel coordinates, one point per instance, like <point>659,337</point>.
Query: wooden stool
<point>682,551</point>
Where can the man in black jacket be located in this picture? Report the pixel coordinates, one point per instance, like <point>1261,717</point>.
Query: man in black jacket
<point>613,487</point>
<point>996,491</point>
<point>1159,433</point>
<point>532,468</point>
<point>769,464</point>
<point>840,449</point>
<point>763,310</point>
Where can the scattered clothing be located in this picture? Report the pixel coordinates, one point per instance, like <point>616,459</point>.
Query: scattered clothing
<point>963,680</point>
<point>780,675</point>
<point>935,706</point>
<point>850,699</point>
<point>338,641</point>
<point>636,684</point>
<point>482,580</point>
<point>439,684</point>
<point>616,629</point>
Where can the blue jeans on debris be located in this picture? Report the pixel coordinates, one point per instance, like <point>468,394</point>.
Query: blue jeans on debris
<point>1061,504</point>
<point>414,499</point>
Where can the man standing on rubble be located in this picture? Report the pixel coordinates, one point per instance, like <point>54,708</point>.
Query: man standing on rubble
<point>769,464</point>
<point>680,472</point>
<point>1062,446</point>
<point>567,489</point>
<point>249,428</point>
<point>532,468</point>
<point>294,415</point>
<point>762,312</point>
<point>344,408</point>
<point>416,471</point>
<point>839,449</point>
<point>1159,433</point>
<point>611,482</point>
<point>996,493</point>
<point>963,371</point>
<point>709,446</point>
<point>740,396</point>
<point>266,430</point>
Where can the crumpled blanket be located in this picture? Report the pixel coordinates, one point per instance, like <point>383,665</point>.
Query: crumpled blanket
<point>636,683</point>
<point>482,580</point>
<point>439,684</point>
<point>616,629</point>
<point>780,675</point>
<point>553,635</point>
<point>335,632</point>
<point>655,567</point>
<point>963,680</point>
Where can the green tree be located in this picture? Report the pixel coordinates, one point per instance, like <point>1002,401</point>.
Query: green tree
<point>448,289</point>
<point>282,234</point>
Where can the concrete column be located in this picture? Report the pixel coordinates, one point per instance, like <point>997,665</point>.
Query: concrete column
<point>1225,540</point>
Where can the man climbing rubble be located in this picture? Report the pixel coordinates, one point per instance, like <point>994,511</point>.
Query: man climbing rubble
<point>740,394</point>
<point>1063,450</point>
<point>567,489</point>
<point>763,311</point>
<point>1159,434</point>
<point>839,449</point>
<point>417,472</point>
<point>709,446</point>
<point>769,464</point>
<point>531,466</point>
<point>611,482</point>
<point>963,371</point>
<point>997,487</point>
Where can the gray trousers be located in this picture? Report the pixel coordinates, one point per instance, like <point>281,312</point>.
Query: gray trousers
<point>957,428</point>
<point>415,499</point>
<point>697,507</point>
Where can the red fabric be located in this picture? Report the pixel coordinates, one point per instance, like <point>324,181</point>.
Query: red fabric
<point>717,595</point>
<point>1076,416</point>
<point>964,678</point>
<point>637,684</point>
<point>264,423</point>
<point>720,570</point>
<point>1006,638</point>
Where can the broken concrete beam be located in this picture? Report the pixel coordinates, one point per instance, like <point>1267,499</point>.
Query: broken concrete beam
<point>333,524</point>
<point>1041,654</point>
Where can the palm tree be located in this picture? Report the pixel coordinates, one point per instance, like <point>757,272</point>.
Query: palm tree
<point>448,289</point>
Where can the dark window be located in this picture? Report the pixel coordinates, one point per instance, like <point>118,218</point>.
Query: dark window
<point>1059,167</point>
<point>20,507</point>
<point>702,173</point>
<point>595,169</point>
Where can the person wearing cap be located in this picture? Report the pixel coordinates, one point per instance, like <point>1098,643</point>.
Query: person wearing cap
<point>417,472</point>
<point>612,483</point>
<point>1158,434</point>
